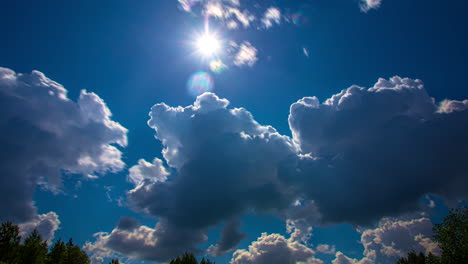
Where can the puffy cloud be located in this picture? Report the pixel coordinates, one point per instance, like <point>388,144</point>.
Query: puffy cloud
<point>141,242</point>
<point>246,55</point>
<point>230,238</point>
<point>275,249</point>
<point>386,143</point>
<point>344,163</point>
<point>46,225</point>
<point>394,238</point>
<point>272,15</point>
<point>341,258</point>
<point>450,106</point>
<point>145,171</point>
<point>226,162</point>
<point>367,5</point>
<point>45,134</point>
<point>326,249</point>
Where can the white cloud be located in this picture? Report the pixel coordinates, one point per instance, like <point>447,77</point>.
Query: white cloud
<point>326,249</point>
<point>246,55</point>
<point>394,238</point>
<point>46,225</point>
<point>272,15</point>
<point>136,241</point>
<point>275,249</point>
<point>367,5</point>
<point>154,172</point>
<point>45,134</point>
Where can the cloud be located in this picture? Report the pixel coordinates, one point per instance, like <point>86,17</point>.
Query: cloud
<point>160,244</point>
<point>326,249</point>
<point>145,171</point>
<point>246,55</point>
<point>46,225</point>
<point>275,249</point>
<point>367,5</point>
<point>45,134</point>
<point>230,238</point>
<point>361,155</point>
<point>376,145</point>
<point>272,15</point>
<point>394,238</point>
<point>341,258</point>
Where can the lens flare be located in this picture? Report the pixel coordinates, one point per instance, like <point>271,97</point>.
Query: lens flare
<point>200,83</point>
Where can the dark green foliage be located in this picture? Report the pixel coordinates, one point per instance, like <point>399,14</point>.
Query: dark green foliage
<point>114,261</point>
<point>414,258</point>
<point>9,243</point>
<point>452,237</point>
<point>34,249</point>
<point>57,254</point>
<point>188,258</point>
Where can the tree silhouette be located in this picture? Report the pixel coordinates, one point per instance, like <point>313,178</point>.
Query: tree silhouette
<point>188,258</point>
<point>114,261</point>
<point>9,242</point>
<point>34,249</point>
<point>58,253</point>
<point>452,237</point>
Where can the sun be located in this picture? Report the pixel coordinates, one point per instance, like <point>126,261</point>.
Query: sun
<point>208,45</point>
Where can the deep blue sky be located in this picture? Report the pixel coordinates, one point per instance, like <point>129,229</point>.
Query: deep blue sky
<point>136,54</point>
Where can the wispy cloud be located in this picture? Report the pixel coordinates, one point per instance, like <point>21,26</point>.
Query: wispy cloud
<point>367,5</point>
<point>247,55</point>
<point>271,16</point>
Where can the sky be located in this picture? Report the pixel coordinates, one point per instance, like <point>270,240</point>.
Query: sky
<point>247,132</point>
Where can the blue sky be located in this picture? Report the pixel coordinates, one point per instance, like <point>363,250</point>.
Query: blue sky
<point>331,171</point>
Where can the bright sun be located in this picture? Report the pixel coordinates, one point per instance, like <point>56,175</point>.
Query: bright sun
<point>208,45</point>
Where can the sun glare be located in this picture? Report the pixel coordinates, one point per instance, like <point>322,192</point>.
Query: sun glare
<point>208,45</point>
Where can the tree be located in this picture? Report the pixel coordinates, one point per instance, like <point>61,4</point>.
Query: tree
<point>114,261</point>
<point>9,242</point>
<point>413,258</point>
<point>75,255</point>
<point>34,249</point>
<point>189,258</point>
<point>58,253</point>
<point>452,237</point>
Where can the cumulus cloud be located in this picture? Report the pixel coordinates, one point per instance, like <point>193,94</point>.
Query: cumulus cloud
<point>367,5</point>
<point>394,238</point>
<point>141,242</point>
<point>275,249</point>
<point>361,155</point>
<point>376,145</point>
<point>46,225</point>
<point>341,258</point>
<point>271,16</point>
<point>246,55</point>
<point>230,238</point>
<point>45,134</point>
<point>145,171</point>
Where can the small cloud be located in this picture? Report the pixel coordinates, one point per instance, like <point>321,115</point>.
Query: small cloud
<point>232,24</point>
<point>214,9</point>
<point>217,66</point>
<point>326,249</point>
<point>247,55</point>
<point>306,52</point>
<point>272,15</point>
<point>145,171</point>
<point>367,5</point>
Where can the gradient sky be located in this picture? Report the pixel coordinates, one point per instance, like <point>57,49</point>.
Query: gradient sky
<point>371,168</point>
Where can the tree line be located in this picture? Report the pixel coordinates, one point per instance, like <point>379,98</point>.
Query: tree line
<point>34,250</point>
